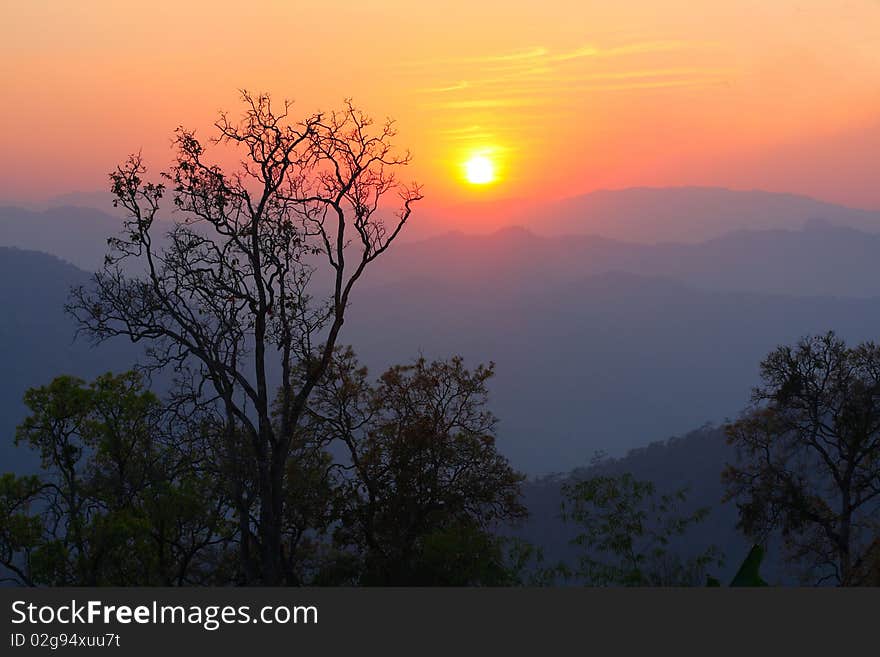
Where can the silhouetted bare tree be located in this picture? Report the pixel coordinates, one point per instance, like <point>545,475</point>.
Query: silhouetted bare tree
<point>233,292</point>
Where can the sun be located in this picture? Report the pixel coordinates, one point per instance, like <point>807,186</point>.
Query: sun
<point>479,170</point>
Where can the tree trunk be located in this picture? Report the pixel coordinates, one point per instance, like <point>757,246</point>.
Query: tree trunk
<point>270,519</point>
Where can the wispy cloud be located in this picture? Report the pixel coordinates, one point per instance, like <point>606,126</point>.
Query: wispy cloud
<point>657,84</point>
<point>655,73</point>
<point>458,86</point>
<point>487,103</point>
<point>619,51</point>
<point>459,131</point>
<point>534,95</point>
<point>513,86</point>
<point>538,67</point>
<point>578,53</point>
<point>546,55</point>
<point>513,57</point>
<point>532,53</point>
<point>471,132</point>
<point>474,136</point>
<point>536,78</point>
<point>649,47</point>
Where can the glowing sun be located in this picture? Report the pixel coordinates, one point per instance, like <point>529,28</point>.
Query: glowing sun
<point>479,170</point>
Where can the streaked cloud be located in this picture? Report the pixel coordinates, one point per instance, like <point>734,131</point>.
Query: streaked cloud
<point>563,84</point>
<point>658,84</point>
<point>475,136</point>
<point>440,90</point>
<point>544,54</point>
<point>656,73</point>
<point>487,103</point>
<point>458,131</point>
<point>651,47</point>
<point>531,53</point>
<point>519,82</point>
<point>578,53</point>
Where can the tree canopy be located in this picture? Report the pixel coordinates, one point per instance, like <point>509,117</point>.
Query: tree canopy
<point>809,458</point>
<point>124,497</point>
<point>397,482</point>
<point>627,530</point>
<point>254,278</point>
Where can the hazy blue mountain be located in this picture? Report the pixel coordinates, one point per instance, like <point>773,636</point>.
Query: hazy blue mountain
<point>37,338</point>
<point>686,214</point>
<point>693,461</point>
<point>75,226</point>
<point>609,362</point>
<point>606,361</point>
<point>819,259</point>
<point>76,234</point>
<point>97,200</point>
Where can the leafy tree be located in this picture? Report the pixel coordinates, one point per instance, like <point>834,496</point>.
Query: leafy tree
<point>424,484</point>
<point>137,492</point>
<point>311,513</point>
<point>809,457</point>
<point>466,554</point>
<point>20,530</point>
<point>253,279</point>
<point>123,498</point>
<point>627,533</point>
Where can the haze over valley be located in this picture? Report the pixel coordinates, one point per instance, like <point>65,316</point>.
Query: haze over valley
<point>600,344</point>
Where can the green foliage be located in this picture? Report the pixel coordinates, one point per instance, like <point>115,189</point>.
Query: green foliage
<point>627,533</point>
<point>466,555</point>
<point>426,482</point>
<point>137,492</point>
<point>19,530</point>
<point>122,499</point>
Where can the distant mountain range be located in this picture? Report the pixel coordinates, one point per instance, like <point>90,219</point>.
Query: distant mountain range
<point>75,227</point>
<point>75,234</point>
<point>693,461</point>
<point>611,361</point>
<point>599,343</point>
<point>602,341</point>
<point>819,259</point>
<point>37,339</point>
<point>646,215</point>
<point>688,214</point>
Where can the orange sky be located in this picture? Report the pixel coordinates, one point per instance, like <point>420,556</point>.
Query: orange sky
<point>565,96</point>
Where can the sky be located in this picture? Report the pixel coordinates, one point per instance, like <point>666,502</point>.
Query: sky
<point>561,98</point>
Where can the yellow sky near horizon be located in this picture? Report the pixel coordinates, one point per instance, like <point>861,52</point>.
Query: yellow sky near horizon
<point>565,97</point>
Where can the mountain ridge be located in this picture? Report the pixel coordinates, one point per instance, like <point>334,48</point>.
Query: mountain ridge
<point>640,215</point>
